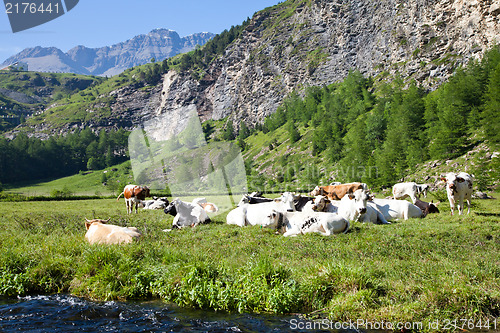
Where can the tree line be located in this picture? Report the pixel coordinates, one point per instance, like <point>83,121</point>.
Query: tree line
<point>27,159</point>
<point>388,128</point>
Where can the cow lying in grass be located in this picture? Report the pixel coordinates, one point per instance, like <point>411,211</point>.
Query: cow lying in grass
<point>209,207</point>
<point>186,214</point>
<point>99,232</point>
<point>255,214</point>
<point>350,207</point>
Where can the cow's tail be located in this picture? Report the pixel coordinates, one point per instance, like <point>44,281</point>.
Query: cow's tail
<point>119,196</point>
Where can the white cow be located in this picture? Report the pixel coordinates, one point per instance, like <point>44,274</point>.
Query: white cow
<point>391,210</point>
<point>209,207</point>
<point>422,189</point>
<point>255,214</point>
<point>458,188</point>
<point>295,223</point>
<point>156,203</point>
<point>99,232</point>
<point>186,214</point>
<point>403,190</point>
<point>351,206</point>
<point>372,214</point>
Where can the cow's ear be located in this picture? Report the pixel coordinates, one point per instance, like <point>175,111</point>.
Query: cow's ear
<point>87,225</point>
<point>460,179</point>
<point>350,195</point>
<point>106,221</point>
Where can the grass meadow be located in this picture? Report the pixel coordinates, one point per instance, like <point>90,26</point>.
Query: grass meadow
<point>420,270</point>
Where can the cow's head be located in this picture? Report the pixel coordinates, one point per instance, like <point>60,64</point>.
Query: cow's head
<point>433,208</point>
<point>320,203</point>
<point>353,204</point>
<point>287,199</point>
<point>274,220</point>
<point>171,208</point>
<point>317,191</point>
<point>88,222</point>
<point>451,180</point>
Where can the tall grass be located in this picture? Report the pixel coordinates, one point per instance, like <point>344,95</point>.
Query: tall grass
<point>416,270</point>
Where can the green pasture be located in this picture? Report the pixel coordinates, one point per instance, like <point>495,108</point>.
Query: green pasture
<point>420,270</point>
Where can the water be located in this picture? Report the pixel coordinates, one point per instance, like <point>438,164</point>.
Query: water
<point>64,313</point>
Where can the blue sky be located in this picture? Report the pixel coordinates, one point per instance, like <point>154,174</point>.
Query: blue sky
<point>96,23</point>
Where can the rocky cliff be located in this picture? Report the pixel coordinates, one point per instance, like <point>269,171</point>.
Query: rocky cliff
<point>316,42</point>
<point>110,60</point>
<point>301,43</point>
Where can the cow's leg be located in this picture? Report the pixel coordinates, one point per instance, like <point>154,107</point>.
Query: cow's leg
<point>468,205</point>
<point>413,198</point>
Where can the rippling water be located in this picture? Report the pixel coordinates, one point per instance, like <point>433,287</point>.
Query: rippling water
<point>63,313</point>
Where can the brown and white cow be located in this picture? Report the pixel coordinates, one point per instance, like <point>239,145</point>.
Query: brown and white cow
<point>99,232</point>
<point>337,192</point>
<point>458,188</point>
<point>134,195</point>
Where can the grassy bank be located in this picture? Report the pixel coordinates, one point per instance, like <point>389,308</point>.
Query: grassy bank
<point>441,267</point>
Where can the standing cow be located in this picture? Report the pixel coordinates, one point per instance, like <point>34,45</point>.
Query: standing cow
<point>458,188</point>
<point>134,195</point>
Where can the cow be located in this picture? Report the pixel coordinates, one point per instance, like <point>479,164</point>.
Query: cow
<point>249,199</point>
<point>301,202</point>
<point>351,206</point>
<point>422,189</point>
<point>403,190</point>
<point>426,207</point>
<point>209,207</point>
<point>186,214</point>
<point>372,214</point>
<point>337,192</point>
<point>296,223</point>
<point>133,195</point>
<point>99,232</point>
<point>156,203</point>
<point>255,214</point>
<point>458,189</point>
<point>391,210</point>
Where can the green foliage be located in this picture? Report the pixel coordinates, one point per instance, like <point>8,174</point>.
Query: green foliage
<point>27,159</point>
<point>417,270</point>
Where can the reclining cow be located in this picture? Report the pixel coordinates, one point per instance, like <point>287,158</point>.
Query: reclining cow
<point>458,189</point>
<point>427,207</point>
<point>255,214</point>
<point>156,203</point>
<point>372,214</point>
<point>337,192</point>
<point>351,206</point>
<point>99,232</point>
<point>134,195</point>
<point>209,207</point>
<point>390,210</point>
<point>186,214</point>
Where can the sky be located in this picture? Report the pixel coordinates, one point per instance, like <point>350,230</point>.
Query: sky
<point>97,23</point>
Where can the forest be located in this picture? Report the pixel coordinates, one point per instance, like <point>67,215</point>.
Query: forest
<point>391,128</point>
<point>360,123</point>
<point>29,159</point>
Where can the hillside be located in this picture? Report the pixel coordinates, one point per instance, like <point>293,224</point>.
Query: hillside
<point>110,60</point>
<point>248,72</point>
<point>23,94</point>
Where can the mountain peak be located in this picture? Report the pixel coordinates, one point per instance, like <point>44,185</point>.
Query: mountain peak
<point>159,43</point>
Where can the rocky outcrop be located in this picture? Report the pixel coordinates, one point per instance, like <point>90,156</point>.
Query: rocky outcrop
<point>317,42</point>
<point>110,60</point>
<point>301,43</point>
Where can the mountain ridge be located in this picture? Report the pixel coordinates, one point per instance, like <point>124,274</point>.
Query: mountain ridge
<point>110,60</point>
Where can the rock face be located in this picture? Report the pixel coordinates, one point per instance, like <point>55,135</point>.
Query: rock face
<point>301,43</point>
<point>316,42</point>
<point>110,60</point>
